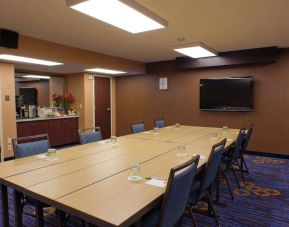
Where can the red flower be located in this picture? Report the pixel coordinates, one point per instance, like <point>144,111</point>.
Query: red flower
<point>57,98</point>
<point>69,98</point>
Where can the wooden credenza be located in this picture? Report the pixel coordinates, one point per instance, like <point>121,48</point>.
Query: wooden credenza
<point>61,131</point>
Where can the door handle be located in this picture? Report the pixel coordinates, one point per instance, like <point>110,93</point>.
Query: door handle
<point>108,109</point>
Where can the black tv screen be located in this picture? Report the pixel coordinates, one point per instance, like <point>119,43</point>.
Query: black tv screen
<point>227,94</point>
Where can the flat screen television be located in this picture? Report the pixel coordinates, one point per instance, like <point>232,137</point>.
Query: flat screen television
<point>227,94</point>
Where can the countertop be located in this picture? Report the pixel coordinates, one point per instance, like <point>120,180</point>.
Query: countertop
<point>45,118</point>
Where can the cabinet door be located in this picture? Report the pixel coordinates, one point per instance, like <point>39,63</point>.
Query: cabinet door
<point>70,127</point>
<point>32,128</point>
<point>56,133</point>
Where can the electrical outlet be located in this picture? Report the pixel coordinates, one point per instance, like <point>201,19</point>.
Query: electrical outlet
<point>80,106</point>
<point>9,140</point>
<point>9,147</point>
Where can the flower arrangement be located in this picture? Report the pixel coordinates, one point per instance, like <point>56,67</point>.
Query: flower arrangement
<point>68,99</point>
<point>57,99</point>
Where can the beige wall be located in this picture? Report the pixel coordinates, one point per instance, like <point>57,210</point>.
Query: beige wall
<point>75,85</point>
<point>8,111</point>
<point>42,90</point>
<point>88,106</point>
<point>113,107</point>
<point>81,86</point>
<point>36,48</point>
<point>56,86</point>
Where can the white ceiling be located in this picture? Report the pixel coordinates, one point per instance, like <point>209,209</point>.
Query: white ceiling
<point>221,24</point>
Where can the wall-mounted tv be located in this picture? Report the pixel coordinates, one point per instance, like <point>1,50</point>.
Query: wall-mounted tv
<point>227,94</point>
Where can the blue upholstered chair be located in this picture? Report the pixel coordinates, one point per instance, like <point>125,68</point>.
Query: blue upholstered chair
<point>175,198</point>
<point>89,135</point>
<point>201,188</point>
<point>28,146</point>
<point>230,158</point>
<point>137,127</point>
<point>160,123</point>
<point>244,148</point>
<point>31,145</point>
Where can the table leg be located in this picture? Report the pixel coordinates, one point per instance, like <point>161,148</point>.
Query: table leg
<point>60,218</point>
<point>4,201</point>
<point>39,214</point>
<point>18,208</point>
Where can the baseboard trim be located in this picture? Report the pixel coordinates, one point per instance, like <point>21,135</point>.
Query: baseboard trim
<point>265,154</point>
<point>9,158</point>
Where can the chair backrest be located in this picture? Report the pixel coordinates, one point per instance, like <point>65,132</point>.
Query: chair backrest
<point>177,192</point>
<point>238,144</point>
<point>212,166</point>
<point>247,138</point>
<point>89,135</point>
<point>30,145</point>
<point>160,122</point>
<point>137,127</point>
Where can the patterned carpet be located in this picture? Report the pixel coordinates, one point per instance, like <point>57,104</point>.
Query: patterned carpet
<point>262,201</point>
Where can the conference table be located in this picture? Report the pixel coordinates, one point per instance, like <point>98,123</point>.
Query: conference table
<point>90,181</point>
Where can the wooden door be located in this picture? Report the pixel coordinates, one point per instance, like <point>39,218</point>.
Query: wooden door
<point>102,105</point>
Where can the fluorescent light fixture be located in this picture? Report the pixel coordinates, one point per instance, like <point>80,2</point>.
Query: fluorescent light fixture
<point>125,14</point>
<point>196,50</point>
<point>37,77</point>
<point>105,71</point>
<point>8,57</point>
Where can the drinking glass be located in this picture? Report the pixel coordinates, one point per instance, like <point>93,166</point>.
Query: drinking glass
<point>113,139</point>
<point>181,150</point>
<point>214,135</point>
<point>156,129</point>
<point>51,153</point>
<point>135,170</point>
<point>225,128</point>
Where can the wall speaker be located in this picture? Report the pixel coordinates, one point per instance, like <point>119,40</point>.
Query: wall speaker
<point>8,38</point>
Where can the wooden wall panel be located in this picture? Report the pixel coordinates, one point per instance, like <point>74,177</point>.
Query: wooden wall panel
<point>138,98</point>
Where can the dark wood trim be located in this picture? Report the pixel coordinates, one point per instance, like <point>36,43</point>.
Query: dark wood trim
<point>232,58</point>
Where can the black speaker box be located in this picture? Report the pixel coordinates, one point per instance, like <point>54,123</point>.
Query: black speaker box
<point>8,38</point>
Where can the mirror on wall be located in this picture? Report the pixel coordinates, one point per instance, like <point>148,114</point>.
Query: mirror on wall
<point>33,91</point>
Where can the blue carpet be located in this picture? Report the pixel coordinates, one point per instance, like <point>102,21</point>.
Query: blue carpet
<point>262,201</point>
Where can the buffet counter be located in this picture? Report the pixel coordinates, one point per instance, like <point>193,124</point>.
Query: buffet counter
<point>61,130</point>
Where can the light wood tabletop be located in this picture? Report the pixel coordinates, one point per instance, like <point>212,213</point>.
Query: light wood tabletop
<point>90,181</point>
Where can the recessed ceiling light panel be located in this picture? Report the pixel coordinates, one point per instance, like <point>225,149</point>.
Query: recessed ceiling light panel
<point>125,14</point>
<point>15,58</point>
<point>37,77</point>
<point>105,71</point>
<point>196,50</point>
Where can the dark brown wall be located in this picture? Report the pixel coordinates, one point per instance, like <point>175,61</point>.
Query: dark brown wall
<point>138,98</point>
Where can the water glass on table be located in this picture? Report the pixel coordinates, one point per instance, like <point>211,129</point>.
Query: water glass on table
<point>51,153</point>
<point>113,139</point>
<point>135,172</point>
<point>182,150</point>
<point>156,130</point>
